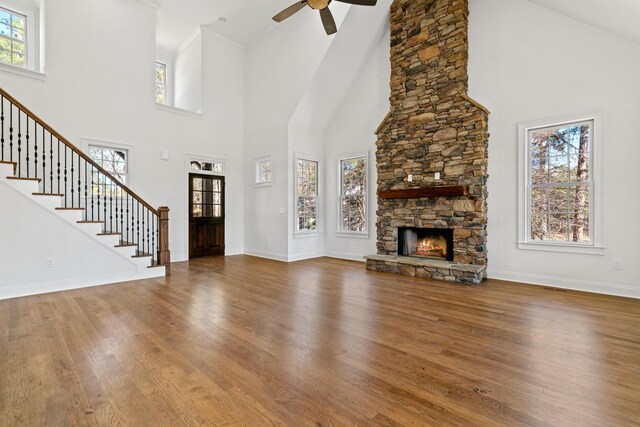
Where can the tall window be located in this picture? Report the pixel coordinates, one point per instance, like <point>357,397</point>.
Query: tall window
<point>13,40</point>
<point>306,195</point>
<point>560,205</point>
<point>161,83</point>
<point>353,195</point>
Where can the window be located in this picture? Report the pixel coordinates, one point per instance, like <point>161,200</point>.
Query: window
<point>353,194</point>
<point>206,166</point>
<point>263,174</point>
<point>560,184</point>
<point>161,83</point>
<point>306,195</point>
<point>113,160</point>
<point>13,38</point>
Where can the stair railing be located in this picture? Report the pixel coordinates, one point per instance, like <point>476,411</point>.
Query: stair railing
<point>40,153</point>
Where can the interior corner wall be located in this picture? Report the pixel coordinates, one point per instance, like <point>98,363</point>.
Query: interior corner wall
<point>101,86</point>
<point>187,70</point>
<point>280,67</point>
<point>352,131</point>
<point>527,63</point>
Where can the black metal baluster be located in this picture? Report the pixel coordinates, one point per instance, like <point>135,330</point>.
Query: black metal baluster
<point>27,142</point>
<point>142,250</point>
<point>19,143</point>
<point>111,205</point>
<point>149,249</point>
<point>98,187</point>
<point>138,226</point>
<point>58,166</point>
<point>44,162</point>
<point>121,214</point>
<point>72,182</point>
<point>2,125</point>
<point>128,241</point>
<point>51,163</point>
<point>79,183</point>
<point>10,132</point>
<point>104,202</point>
<point>86,194</point>
<point>65,176</point>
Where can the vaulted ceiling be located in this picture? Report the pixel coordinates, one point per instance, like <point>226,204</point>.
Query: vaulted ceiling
<point>247,19</point>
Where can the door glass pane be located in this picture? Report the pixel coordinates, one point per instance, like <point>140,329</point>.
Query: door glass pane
<point>197,211</point>
<point>197,197</point>
<point>197,184</point>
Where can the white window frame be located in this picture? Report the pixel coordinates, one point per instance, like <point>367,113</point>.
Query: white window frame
<point>166,82</point>
<point>33,39</point>
<point>191,158</point>
<point>340,231</point>
<point>318,230</point>
<point>594,246</point>
<point>257,164</point>
<point>90,142</point>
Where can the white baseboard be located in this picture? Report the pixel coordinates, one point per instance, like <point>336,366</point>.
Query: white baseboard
<point>566,283</point>
<point>344,255</point>
<point>64,285</point>
<point>267,255</point>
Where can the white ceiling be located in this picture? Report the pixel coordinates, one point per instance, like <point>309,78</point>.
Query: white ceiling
<point>620,17</point>
<point>246,19</point>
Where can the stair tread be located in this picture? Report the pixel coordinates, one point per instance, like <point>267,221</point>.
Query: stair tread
<point>109,234</point>
<point>90,222</point>
<point>48,194</point>
<point>20,178</point>
<point>141,255</point>
<point>6,162</point>
<point>69,209</point>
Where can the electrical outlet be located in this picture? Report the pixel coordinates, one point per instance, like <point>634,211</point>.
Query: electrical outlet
<point>410,178</point>
<point>437,175</point>
<point>617,264</point>
<point>50,263</point>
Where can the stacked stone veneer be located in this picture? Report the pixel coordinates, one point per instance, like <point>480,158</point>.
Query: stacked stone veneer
<point>433,126</point>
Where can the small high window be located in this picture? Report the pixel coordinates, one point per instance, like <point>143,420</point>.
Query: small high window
<point>13,38</point>
<point>263,171</point>
<point>161,83</point>
<point>205,166</point>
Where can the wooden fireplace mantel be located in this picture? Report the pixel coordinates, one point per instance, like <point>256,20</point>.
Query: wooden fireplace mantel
<point>417,193</point>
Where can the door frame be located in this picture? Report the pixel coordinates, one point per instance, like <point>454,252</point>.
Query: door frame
<point>187,159</point>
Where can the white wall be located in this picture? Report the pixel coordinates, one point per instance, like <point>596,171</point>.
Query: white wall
<point>352,131</point>
<point>187,78</point>
<point>110,97</point>
<point>528,63</point>
<point>31,235</point>
<point>280,67</point>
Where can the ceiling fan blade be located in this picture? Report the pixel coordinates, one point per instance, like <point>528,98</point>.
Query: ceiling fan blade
<point>290,11</point>
<point>360,2</point>
<point>328,21</point>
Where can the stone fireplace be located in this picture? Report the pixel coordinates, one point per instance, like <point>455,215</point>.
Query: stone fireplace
<point>432,149</point>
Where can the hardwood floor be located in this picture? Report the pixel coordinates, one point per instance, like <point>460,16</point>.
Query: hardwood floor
<point>246,341</point>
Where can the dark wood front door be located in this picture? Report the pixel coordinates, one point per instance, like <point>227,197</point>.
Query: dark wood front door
<point>206,215</point>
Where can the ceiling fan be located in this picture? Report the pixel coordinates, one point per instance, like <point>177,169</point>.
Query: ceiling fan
<point>323,6</point>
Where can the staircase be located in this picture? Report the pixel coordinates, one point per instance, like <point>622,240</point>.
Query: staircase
<point>39,163</point>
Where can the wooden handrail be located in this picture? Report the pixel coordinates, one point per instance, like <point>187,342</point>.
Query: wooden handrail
<point>79,152</point>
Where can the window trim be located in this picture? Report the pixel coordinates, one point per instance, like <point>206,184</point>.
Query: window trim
<point>595,246</point>
<point>256,165</point>
<point>33,42</point>
<point>92,142</point>
<point>340,232</point>
<point>318,231</point>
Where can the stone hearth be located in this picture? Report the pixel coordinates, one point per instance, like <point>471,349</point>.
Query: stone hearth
<point>433,127</point>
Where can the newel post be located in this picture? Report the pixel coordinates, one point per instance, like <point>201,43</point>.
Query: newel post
<point>164,255</point>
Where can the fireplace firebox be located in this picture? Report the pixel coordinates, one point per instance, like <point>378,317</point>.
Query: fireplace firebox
<point>433,243</point>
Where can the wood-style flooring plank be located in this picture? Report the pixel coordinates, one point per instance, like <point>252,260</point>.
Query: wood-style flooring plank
<point>247,341</point>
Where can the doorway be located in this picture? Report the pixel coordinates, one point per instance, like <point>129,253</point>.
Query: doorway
<point>206,215</point>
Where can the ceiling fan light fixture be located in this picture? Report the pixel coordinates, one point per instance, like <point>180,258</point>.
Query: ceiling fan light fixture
<point>318,4</point>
